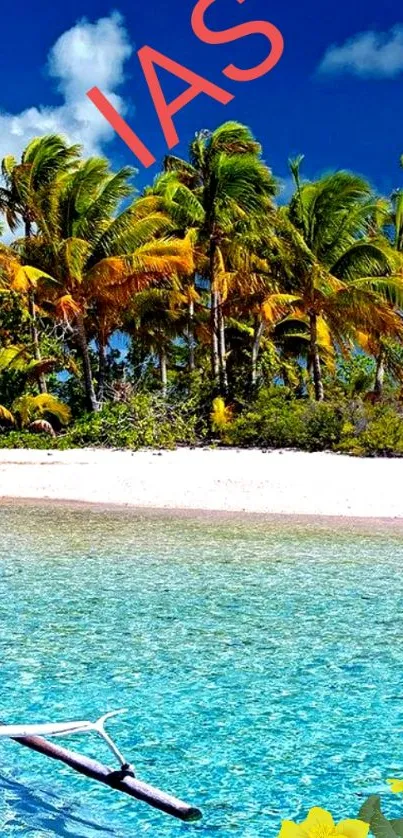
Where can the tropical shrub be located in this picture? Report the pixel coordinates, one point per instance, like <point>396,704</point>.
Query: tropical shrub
<point>276,420</point>
<point>41,413</point>
<point>25,439</point>
<point>29,409</point>
<point>221,416</point>
<point>376,432</point>
<point>354,376</point>
<point>144,422</point>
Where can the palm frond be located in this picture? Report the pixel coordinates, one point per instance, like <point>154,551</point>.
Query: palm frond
<point>6,416</point>
<point>28,408</point>
<point>120,277</point>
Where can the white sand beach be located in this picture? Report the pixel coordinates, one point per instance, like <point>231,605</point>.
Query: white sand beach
<point>279,482</point>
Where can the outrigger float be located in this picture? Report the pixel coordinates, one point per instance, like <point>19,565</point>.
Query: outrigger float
<point>123,779</point>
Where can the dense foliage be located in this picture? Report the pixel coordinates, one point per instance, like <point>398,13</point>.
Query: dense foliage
<point>202,309</point>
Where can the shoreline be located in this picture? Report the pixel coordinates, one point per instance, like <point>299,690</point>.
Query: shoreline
<point>214,482</point>
<point>324,523</point>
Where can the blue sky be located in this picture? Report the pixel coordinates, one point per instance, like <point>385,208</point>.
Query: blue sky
<point>336,95</point>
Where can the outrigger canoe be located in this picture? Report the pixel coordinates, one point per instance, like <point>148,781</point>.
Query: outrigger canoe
<point>123,779</point>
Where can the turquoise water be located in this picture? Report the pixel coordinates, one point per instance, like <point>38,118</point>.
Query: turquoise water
<point>261,662</point>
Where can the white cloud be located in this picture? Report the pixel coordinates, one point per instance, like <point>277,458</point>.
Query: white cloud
<point>88,54</point>
<point>367,54</point>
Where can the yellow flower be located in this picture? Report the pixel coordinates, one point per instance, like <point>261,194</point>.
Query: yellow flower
<point>395,785</point>
<point>320,824</point>
<point>221,415</point>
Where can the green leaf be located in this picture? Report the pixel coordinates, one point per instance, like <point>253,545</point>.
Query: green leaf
<point>368,809</point>
<point>6,416</point>
<point>381,827</point>
<point>398,826</point>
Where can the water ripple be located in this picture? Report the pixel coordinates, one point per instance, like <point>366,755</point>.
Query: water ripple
<point>262,664</point>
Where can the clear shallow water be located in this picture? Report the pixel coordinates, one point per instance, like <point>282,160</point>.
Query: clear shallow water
<point>262,664</point>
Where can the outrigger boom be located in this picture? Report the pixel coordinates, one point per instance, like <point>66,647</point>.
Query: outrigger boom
<point>66,729</point>
<point>123,780</point>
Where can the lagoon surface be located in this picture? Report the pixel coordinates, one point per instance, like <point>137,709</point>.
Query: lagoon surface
<point>261,662</point>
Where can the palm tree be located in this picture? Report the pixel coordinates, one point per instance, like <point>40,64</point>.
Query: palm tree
<point>340,275</point>
<point>26,197</point>
<point>156,319</point>
<point>34,413</point>
<point>388,222</point>
<point>224,183</point>
<point>250,286</point>
<point>175,200</point>
<point>99,254</point>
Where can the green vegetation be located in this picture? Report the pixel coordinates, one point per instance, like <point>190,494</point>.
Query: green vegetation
<point>379,824</point>
<point>200,309</point>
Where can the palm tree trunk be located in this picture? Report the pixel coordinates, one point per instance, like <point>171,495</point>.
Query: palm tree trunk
<point>315,359</point>
<point>257,337</point>
<point>163,371</point>
<point>215,353</point>
<point>191,336</point>
<point>92,404</point>
<point>380,373</point>
<point>101,368</point>
<point>222,349</point>
<point>33,320</point>
<point>35,339</point>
